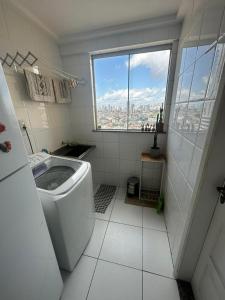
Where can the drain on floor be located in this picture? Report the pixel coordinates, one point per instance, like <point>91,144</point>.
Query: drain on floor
<point>103,197</point>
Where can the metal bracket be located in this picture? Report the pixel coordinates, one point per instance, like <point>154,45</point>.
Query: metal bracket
<point>18,59</point>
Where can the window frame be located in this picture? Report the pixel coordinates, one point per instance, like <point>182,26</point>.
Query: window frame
<point>128,51</point>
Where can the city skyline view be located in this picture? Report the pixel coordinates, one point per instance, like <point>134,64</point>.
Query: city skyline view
<point>130,89</point>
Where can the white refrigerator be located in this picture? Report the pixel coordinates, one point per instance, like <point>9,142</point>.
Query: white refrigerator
<point>28,266</point>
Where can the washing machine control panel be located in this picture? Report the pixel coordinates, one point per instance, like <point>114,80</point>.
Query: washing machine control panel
<point>37,158</point>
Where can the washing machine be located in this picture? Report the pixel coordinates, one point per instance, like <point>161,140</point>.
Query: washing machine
<point>65,188</point>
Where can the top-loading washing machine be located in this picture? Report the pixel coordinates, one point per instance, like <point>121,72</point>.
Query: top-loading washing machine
<point>65,189</point>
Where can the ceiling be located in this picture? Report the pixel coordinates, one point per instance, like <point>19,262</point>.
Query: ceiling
<point>63,17</point>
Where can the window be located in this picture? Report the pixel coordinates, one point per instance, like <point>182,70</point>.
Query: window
<point>130,87</point>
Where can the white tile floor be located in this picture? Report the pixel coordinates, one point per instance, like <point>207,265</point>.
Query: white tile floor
<point>128,257</point>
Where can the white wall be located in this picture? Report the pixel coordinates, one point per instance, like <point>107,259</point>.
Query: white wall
<point>193,111</point>
<point>48,124</point>
<point>117,154</point>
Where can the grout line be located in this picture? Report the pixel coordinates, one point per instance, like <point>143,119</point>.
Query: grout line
<point>133,268</point>
<point>116,263</point>
<point>170,249</point>
<point>154,229</point>
<point>99,219</point>
<point>167,233</point>
<point>164,276</point>
<point>125,224</point>
<point>101,247</point>
<point>142,267</point>
<point>91,280</point>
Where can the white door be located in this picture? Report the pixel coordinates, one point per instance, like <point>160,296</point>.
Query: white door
<point>28,266</point>
<point>209,278</point>
<point>9,132</point>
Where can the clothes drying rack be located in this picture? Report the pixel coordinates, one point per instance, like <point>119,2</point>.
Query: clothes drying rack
<point>19,60</point>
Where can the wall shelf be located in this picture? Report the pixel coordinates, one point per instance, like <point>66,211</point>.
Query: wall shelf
<point>127,131</point>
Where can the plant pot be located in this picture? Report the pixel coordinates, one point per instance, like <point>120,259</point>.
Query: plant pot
<point>155,152</point>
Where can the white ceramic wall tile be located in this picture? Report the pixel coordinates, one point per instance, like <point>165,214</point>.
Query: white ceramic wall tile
<point>205,122</point>
<point>98,151</point>
<point>77,284</point>
<point>189,128</point>
<point>211,22</point>
<point>174,217</point>
<point>111,178</point>
<point>194,166</point>
<point>129,167</point>
<point>178,232</point>
<point>111,165</point>
<point>97,164</point>
<point>112,282</point>
<point>156,255</point>
<point>126,213</point>
<point>185,156</point>
<point>128,151</point>
<point>186,84</point>
<point>152,220</point>
<point>179,183</point>
<point>111,150</point>
<point>201,76</point>
<point>95,243</point>
<point>192,120</point>
<point>159,288</point>
<point>123,245</point>
<point>112,137</point>
<point>97,177</point>
<point>170,213</point>
<point>24,35</point>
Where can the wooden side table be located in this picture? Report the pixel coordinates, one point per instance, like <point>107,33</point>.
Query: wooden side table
<point>147,158</point>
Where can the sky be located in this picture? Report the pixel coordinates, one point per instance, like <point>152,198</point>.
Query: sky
<point>147,78</point>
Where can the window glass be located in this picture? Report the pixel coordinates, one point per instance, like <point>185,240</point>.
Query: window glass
<point>129,88</point>
<point>147,88</point>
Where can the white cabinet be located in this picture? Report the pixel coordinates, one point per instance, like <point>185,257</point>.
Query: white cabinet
<point>28,264</point>
<point>16,157</point>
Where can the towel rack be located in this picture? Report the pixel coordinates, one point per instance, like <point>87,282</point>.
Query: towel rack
<point>19,60</point>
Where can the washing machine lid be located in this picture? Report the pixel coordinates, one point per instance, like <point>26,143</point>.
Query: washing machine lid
<point>52,178</point>
<point>56,175</point>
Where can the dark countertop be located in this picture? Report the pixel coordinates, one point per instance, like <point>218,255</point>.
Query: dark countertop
<point>78,151</point>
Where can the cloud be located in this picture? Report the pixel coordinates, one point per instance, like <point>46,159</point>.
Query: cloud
<point>157,62</point>
<point>138,96</point>
<point>205,79</point>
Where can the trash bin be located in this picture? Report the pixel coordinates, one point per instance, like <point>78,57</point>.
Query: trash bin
<point>132,186</point>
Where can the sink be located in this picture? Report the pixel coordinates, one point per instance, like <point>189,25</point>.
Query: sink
<point>77,151</point>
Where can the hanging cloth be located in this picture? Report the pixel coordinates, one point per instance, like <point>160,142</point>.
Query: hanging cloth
<point>40,87</point>
<point>62,90</point>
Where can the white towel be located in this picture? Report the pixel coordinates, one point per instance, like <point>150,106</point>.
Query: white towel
<point>62,90</point>
<point>40,87</point>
